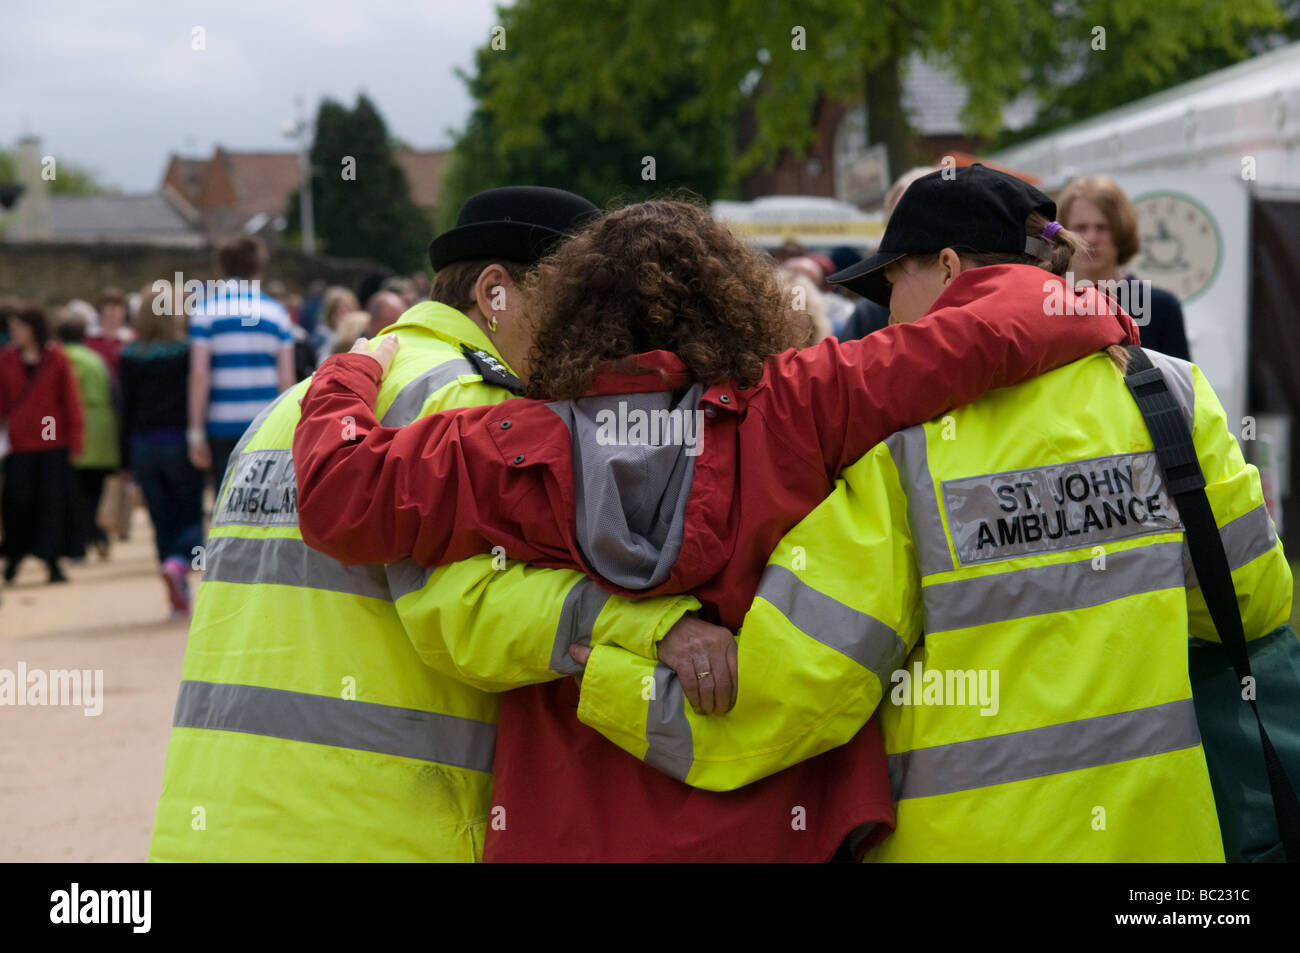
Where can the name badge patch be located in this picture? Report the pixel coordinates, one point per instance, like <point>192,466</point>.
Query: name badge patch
<point>263,491</point>
<point>1059,507</point>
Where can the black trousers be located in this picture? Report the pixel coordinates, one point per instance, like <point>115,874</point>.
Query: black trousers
<point>39,505</point>
<point>90,485</point>
<point>173,491</point>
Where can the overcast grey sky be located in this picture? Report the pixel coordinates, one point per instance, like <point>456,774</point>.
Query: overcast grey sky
<point>115,86</point>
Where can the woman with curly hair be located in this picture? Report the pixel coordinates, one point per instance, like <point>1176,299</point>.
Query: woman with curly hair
<point>655,276</point>
<point>689,437</point>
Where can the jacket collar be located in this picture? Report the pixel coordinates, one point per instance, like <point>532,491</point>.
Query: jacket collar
<point>447,324</point>
<point>641,373</point>
<point>997,289</point>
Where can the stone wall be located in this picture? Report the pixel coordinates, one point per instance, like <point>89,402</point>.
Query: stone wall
<point>52,272</point>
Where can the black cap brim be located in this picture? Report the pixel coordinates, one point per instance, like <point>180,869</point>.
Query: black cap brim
<point>867,277</point>
<point>508,241</point>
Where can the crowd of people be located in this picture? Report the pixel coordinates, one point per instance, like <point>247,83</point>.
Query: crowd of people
<point>130,397</point>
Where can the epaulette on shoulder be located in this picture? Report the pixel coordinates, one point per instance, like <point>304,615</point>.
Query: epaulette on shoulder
<point>493,371</point>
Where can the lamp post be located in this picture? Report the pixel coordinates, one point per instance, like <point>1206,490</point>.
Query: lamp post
<point>300,129</point>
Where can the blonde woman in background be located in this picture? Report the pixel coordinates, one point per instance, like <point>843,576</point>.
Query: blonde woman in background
<point>804,305</point>
<point>1096,208</point>
<point>353,325</point>
<point>338,302</point>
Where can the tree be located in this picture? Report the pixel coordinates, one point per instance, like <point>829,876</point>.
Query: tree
<point>361,200</point>
<point>69,179</point>
<point>648,144</point>
<point>1138,56</point>
<point>777,57</point>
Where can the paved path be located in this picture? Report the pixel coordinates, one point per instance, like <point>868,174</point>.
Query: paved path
<point>75,787</point>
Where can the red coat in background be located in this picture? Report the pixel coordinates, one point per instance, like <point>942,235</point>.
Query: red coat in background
<point>110,349</point>
<point>27,402</point>
<point>457,483</point>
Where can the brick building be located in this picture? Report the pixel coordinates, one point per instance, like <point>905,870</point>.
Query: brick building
<point>251,191</point>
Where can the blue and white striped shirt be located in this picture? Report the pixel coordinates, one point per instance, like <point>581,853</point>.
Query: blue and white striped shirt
<point>246,332</point>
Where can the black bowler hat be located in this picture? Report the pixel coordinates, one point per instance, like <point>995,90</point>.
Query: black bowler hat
<point>516,223</point>
<point>975,208</point>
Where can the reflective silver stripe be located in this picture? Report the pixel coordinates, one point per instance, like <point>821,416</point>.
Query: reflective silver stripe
<point>285,561</point>
<point>1060,587</point>
<point>998,516</point>
<point>1245,538</point>
<point>908,449</point>
<point>864,639</point>
<point>410,400</point>
<point>406,577</point>
<point>1039,752</point>
<point>582,605</point>
<point>1178,375</point>
<point>666,728</point>
<point>1248,536</point>
<point>338,723</point>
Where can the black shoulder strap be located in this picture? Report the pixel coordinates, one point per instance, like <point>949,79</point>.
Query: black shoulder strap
<point>493,371</point>
<point>1186,484</point>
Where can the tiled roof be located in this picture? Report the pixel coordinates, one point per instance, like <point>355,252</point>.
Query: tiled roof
<point>188,177</point>
<point>263,181</point>
<point>78,217</point>
<point>250,183</point>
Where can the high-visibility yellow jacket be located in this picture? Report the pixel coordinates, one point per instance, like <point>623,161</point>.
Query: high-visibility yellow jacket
<point>325,712</point>
<point>1011,580</point>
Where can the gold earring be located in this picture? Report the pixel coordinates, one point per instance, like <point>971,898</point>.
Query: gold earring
<point>492,322</point>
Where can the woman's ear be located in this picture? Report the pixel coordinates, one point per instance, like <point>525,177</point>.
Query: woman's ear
<point>493,290</point>
<point>951,264</point>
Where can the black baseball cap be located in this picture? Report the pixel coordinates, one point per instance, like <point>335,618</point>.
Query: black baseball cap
<point>973,207</point>
<point>515,223</point>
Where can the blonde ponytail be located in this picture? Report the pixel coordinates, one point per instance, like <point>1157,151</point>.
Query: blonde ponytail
<point>1061,246</point>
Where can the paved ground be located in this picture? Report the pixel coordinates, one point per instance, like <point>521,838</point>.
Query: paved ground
<point>76,787</point>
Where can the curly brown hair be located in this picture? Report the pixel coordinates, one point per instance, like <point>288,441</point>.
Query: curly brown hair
<point>657,275</point>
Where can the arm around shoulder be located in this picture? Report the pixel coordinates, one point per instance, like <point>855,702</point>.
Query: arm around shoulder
<point>815,652</point>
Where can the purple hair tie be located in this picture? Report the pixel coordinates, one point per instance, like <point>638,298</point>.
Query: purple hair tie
<point>1050,230</point>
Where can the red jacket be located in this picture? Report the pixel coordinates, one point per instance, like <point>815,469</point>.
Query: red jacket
<point>110,349</point>
<point>48,405</point>
<point>455,484</point>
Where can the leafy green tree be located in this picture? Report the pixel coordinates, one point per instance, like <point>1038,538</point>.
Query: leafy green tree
<point>361,201</point>
<point>776,58</point>
<point>655,138</point>
<point>1143,51</point>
